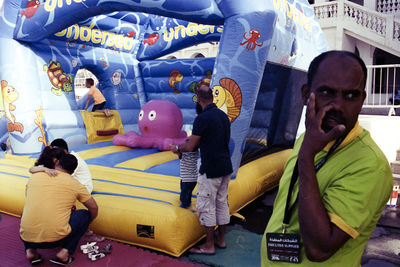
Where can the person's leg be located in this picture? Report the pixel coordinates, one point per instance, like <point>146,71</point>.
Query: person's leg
<point>31,252</point>
<point>206,197</point>
<point>222,211</point>
<point>190,187</point>
<point>79,221</point>
<point>209,244</point>
<point>220,236</point>
<point>186,193</point>
<point>181,196</point>
<point>95,107</point>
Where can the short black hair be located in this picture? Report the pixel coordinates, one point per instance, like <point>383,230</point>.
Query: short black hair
<point>48,155</point>
<point>90,81</point>
<point>68,162</point>
<point>59,142</point>
<point>204,92</point>
<point>314,65</point>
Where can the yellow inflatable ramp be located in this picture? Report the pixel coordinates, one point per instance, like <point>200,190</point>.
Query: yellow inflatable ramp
<point>99,127</point>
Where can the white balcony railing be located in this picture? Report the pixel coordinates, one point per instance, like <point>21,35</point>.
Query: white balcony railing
<point>383,86</point>
<point>378,28</point>
<point>388,6</point>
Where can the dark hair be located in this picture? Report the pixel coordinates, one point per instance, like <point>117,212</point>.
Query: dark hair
<point>204,92</point>
<point>48,155</point>
<point>90,81</point>
<point>314,65</point>
<point>68,162</point>
<point>59,142</point>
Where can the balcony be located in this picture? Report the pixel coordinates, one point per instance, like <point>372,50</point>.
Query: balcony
<point>380,29</point>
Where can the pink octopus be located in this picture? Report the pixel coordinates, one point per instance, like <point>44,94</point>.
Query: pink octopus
<point>160,123</point>
<point>252,40</point>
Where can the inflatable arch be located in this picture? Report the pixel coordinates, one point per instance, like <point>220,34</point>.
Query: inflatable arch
<point>265,48</point>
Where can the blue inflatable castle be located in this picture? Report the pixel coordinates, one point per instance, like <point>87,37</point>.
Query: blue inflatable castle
<point>265,48</point>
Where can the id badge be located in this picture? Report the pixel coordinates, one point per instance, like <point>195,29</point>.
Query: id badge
<point>283,247</point>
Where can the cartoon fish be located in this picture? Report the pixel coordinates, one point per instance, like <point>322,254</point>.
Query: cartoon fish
<point>228,97</point>
<point>151,39</point>
<point>31,9</point>
<point>175,77</point>
<point>130,34</point>
<point>8,95</point>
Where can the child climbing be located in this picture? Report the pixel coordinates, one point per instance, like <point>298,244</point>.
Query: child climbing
<point>98,98</point>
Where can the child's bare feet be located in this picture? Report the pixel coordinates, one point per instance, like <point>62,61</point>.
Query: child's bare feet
<point>107,112</point>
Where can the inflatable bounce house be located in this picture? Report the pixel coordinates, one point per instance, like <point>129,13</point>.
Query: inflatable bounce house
<point>265,48</point>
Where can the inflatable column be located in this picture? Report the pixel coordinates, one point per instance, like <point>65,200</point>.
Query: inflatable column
<point>22,99</point>
<point>240,63</point>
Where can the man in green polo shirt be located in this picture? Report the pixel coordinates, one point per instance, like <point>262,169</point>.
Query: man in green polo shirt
<point>340,179</point>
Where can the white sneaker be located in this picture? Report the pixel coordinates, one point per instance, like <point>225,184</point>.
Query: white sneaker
<point>97,256</point>
<point>87,245</point>
<point>90,249</point>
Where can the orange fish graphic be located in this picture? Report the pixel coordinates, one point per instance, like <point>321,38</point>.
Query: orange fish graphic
<point>175,77</point>
<point>31,9</point>
<point>151,39</point>
<point>228,97</point>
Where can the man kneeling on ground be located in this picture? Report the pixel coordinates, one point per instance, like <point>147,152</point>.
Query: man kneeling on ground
<point>47,221</point>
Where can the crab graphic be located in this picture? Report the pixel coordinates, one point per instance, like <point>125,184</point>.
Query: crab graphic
<point>60,80</point>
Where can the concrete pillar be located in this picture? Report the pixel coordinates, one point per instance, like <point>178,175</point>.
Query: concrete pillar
<point>339,26</point>
<point>370,4</point>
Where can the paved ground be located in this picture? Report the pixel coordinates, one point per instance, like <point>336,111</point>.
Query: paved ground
<point>381,251</point>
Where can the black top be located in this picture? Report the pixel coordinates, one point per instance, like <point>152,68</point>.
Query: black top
<point>214,128</point>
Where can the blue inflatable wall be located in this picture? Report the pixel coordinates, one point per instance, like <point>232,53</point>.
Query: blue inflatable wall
<point>265,48</point>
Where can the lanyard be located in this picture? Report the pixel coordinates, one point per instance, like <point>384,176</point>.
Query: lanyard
<point>295,175</point>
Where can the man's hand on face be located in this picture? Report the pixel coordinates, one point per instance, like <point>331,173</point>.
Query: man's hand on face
<point>315,138</point>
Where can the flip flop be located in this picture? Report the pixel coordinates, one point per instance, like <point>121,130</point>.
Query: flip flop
<point>58,261</point>
<point>38,260</point>
<point>199,250</point>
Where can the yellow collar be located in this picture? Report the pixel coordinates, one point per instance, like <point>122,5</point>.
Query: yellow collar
<point>353,134</point>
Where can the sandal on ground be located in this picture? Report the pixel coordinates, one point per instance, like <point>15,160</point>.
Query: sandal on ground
<point>58,261</point>
<point>106,249</point>
<point>97,256</point>
<point>90,249</point>
<point>87,245</point>
<point>37,260</point>
<point>199,250</point>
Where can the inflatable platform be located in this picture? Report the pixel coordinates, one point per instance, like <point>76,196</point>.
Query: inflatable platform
<point>264,50</point>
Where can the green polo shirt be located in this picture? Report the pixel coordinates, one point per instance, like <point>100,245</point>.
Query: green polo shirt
<point>355,185</point>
